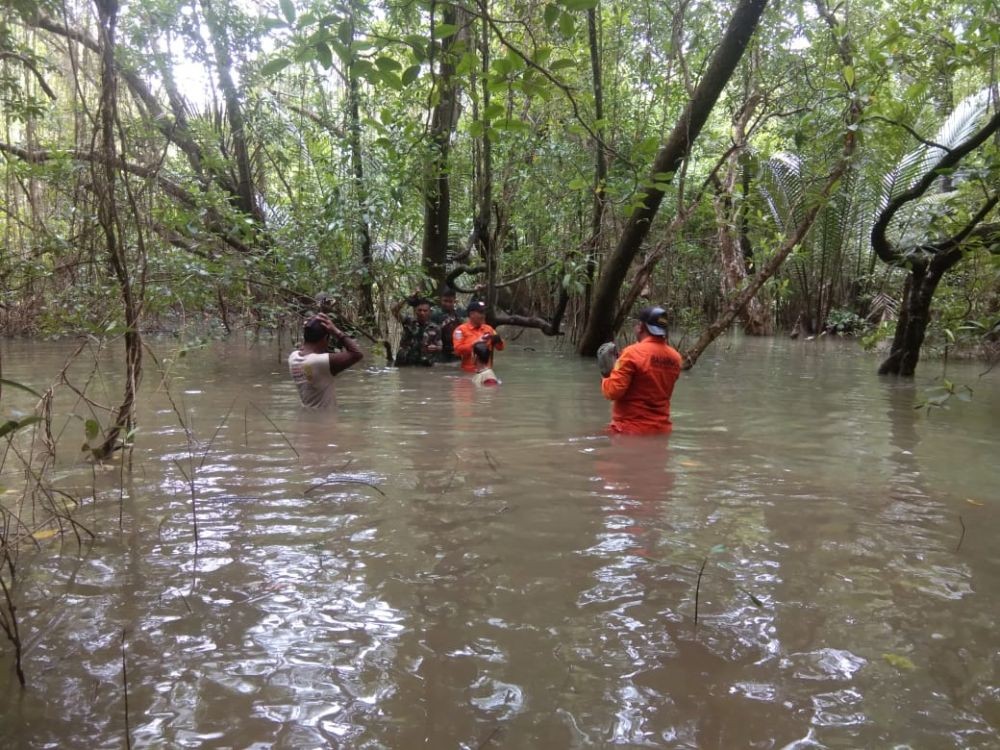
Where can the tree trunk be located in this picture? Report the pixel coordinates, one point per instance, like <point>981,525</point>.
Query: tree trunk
<point>105,178</point>
<point>437,190</point>
<point>731,219</point>
<point>600,201</point>
<point>724,60</point>
<point>915,314</point>
<point>484,197</point>
<point>361,198</point>
<point>245,198</point>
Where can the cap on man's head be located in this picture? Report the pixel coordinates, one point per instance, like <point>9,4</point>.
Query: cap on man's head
<point>314,330</point>
<point>477,306</point>
<point>655,320</point>
<point>447,291</point>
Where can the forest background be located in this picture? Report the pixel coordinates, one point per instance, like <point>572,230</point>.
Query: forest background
<point>199,168</point>
<point>786,166</point>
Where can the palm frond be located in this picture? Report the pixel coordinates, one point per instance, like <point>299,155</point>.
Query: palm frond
<point>959,126</point>
<point>782,186</point>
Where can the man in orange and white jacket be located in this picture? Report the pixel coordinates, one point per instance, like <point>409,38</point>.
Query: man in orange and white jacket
<point>473,330</point>
<point>642,380</point>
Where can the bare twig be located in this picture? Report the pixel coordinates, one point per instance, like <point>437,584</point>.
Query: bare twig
<point>329,482</point>
<point>697,589</point>
<point>128,730</point>
<point>194,500</point>
<point>271,422</point>
<point>962,537</point>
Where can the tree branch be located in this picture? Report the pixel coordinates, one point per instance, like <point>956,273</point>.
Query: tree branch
<point>880,242</point>
<point>911,131</point>
<point>30,66</point>
<point>171,188</point>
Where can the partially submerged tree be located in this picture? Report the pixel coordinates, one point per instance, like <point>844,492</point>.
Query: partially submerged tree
<point>668,160</point>
<point>928,234</point>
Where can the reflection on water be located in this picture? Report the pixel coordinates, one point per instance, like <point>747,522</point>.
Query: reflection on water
<point>435,565</point>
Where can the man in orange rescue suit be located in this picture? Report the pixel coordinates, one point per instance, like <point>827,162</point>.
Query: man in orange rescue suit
<point>473,330</point>
<point>642,380</point>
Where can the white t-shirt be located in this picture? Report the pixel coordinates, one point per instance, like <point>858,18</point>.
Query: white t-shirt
<point>481,378</point>
<point>311,374</point>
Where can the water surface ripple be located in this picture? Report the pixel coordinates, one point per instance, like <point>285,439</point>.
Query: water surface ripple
<point>436,566</point>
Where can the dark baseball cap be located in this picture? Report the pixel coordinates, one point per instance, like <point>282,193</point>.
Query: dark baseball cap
<point>655,320</point>
<point>477,306</point>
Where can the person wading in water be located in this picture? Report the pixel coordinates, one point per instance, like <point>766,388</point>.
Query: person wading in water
<point>642,380</point>
<point>313,367</point>
<point>421,341</point>
<point>475,329</point>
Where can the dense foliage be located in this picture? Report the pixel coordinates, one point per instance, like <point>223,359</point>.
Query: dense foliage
<point>265,153</point>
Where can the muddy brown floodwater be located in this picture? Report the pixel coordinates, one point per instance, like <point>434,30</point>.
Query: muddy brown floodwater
<point>435,566</point>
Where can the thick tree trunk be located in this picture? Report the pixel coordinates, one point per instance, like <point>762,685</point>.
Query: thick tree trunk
<point>484,209</point>
<point>437,190</point>
<point>731,220</point>
<point>727,55</point>
<point>915,314</point>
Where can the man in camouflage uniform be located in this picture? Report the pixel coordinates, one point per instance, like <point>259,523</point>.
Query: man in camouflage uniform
<point>421,341</point>
<point>448,317</point>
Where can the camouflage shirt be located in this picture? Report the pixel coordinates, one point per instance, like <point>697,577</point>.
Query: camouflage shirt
<point>416,338</point>
<point>448,322</point>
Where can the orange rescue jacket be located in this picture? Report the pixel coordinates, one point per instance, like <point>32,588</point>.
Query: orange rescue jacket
<point>640,386</point>
<point>465,337</point>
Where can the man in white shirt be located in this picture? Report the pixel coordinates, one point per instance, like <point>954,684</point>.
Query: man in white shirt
<point>313,367</point>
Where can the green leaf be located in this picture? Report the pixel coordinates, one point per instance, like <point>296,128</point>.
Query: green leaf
<point>343,51</point>
<point>419,46</point>
<point>899,662</point>
<point>502,66</point>
<point>345,33</point>
<point>13,425</point>
<point>411,74</point>
<point>20,386</point>
<point>445,30</point>
<point>578,183</point>
<point>493,111</point>
<point>91,429</point>
<point>391,80</point>
<point>306,54</point>
<point>273,67</point>
<point>551,15</point>
<point>567,25</point>
<point>561,64</point>
<point>272,23</point>
<point>849,76</point>
<point>578,4</point>
<point>512,124</point>
<point>467,64</point>
<point>387,64</point>
<point>476,128</point>
<point>288,10</point>
<point>324,55</point>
